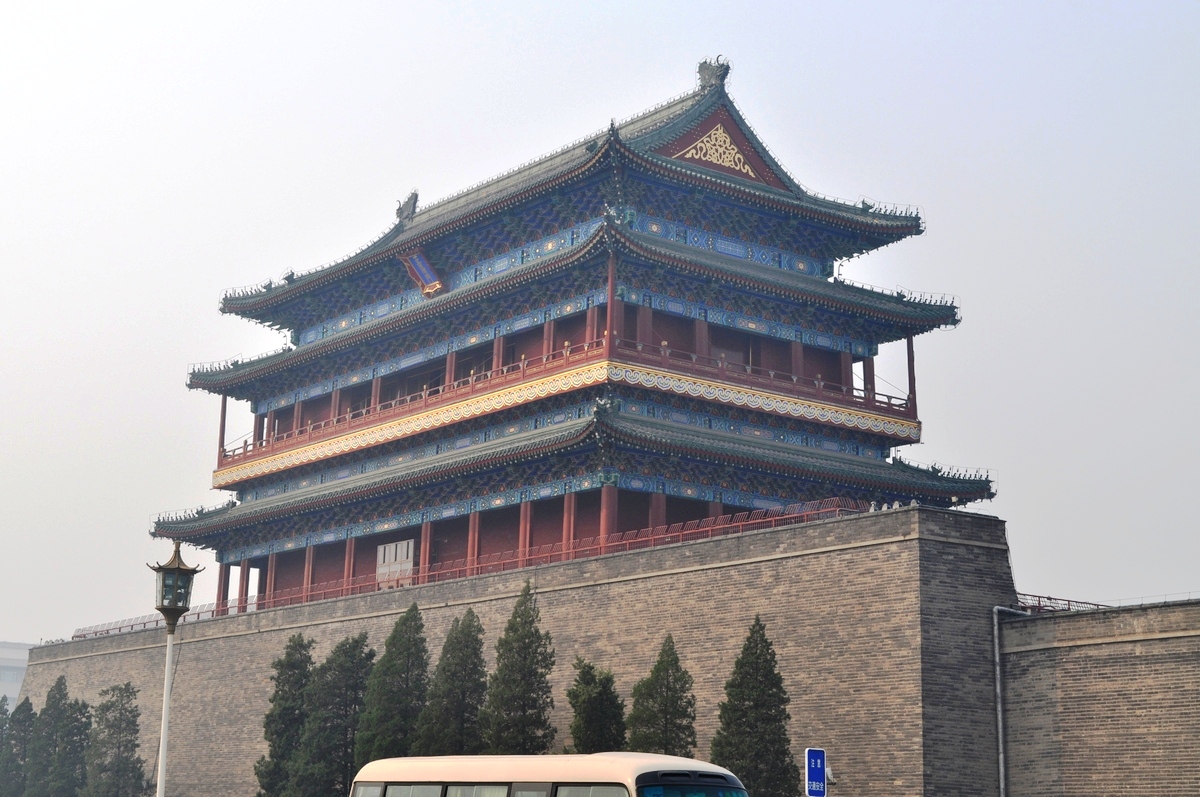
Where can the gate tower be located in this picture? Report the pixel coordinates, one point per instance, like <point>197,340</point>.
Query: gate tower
<point>639,334</point>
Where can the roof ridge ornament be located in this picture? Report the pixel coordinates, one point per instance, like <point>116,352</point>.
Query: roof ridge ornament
<point>712,73</point>
<point>407,208</point>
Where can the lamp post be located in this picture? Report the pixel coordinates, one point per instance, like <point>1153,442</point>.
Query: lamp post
<point>173,595</point>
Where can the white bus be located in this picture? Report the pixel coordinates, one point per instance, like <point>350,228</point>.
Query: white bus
<point>597,775</point>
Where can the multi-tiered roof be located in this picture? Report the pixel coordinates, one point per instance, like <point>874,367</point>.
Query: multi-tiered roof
<point>693,343</point>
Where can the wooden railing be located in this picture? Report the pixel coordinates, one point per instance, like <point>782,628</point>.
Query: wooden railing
<point>624,351</point>
<point>500,562</point>
<point>753,376</point>
<point>429,398</point>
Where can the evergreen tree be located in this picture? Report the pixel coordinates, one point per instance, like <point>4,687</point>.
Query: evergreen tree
<point>516,715</point>
<point>114,768</point>
<point>396,693</point>
<point>663,716</point>
<point>14,752</point>
<point>323,764</point>
<point>599,722</point>
<point>752,739</point>
<point>55,767</point>
<point>449,723</point>
<point>285,719</point>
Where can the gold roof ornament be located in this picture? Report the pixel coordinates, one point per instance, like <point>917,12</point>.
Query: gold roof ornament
<point>717,147</point>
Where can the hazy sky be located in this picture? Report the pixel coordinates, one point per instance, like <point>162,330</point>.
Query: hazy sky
<point>152,156</point>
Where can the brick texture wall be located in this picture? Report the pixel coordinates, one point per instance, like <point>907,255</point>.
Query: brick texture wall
<point>881,623</point>
<point>1104,702</point>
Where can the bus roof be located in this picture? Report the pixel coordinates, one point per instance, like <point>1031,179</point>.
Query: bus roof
<point>594,768</point>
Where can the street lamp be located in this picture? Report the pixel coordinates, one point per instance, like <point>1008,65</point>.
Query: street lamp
<point>172,597</point>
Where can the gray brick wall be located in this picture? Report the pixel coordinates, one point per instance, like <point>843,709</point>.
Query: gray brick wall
<point>1104,702</point>
<point>881,623</point>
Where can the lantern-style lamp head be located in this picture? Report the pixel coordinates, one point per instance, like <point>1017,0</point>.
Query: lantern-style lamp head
<point>174,593</point>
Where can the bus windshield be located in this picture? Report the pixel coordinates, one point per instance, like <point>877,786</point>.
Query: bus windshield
<point>689,790</point>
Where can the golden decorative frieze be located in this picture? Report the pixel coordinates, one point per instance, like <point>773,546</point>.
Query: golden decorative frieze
<point>717,147</point>
<point>595,373</point>
<point>413,424</point>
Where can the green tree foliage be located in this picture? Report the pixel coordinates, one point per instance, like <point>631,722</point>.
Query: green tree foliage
<point>598,725</point>
<point>323,764</point>
<point>55,767</point>
<point>285,719</point>
<point>396,693</point>
<point>663,716</point>
<point>516,715</point>
<point>752,739</point>
<point>114,768</point>
<point>14,751</point>
<point>449,724</point>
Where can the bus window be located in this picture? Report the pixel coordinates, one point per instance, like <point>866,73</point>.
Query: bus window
<point>593,791</point>
<point>690,790</point>
<point>531,790</point>
<point>478,790</point>
<point>368,790</point>
<point>419,790</point>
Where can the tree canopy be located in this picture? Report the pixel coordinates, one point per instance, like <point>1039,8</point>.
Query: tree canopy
<point>114,768</point>
<point>752,739</point>
<point>14,749</point>
<point>284,720</point>
<point>55,766</point>
<point>663,716</point>
<point>449,724</point>
<point>396,692</point>
<point>323,764</point>
<point>598,724</point>
<point>516,715</point>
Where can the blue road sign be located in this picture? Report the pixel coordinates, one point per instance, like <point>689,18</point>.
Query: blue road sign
<point>814,772</point>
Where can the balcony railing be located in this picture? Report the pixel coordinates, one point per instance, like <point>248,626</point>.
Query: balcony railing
<point>637,539</point>
<point>625,351</point>
<point>721,370</point>
<point>429,398</point>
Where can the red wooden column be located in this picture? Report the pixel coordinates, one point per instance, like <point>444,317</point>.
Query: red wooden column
<point>426,549</point>
<point>376,386</point>
<point>243,598</point>
<point>334,401</point>
<point>270,433</point>
<point>658,509</point>
<point>348,566</point>
<point>912,380</point>
<point>270,594</point>
<point>297,409</point>
<point>869,378</point>
<point>568,531</point>
<point>547,339</point>
<point>260,424</point>
<point>645,325</point>
<point>608,513</point>
<point>308,572</point>
<point>703,344</point>
<point>472,543</point>
<point>589,324</point>
<point>498,352</point>
<point>847,378</point>
<point>221,431</point>
<point>797,359</point>
<point>451,360</point>
<point>613,318</point>
<point>523,533</point>
<point>715,509</point>
<point>223,587</point>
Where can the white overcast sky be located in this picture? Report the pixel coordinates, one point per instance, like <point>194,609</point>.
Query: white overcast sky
<point>153,155</point>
